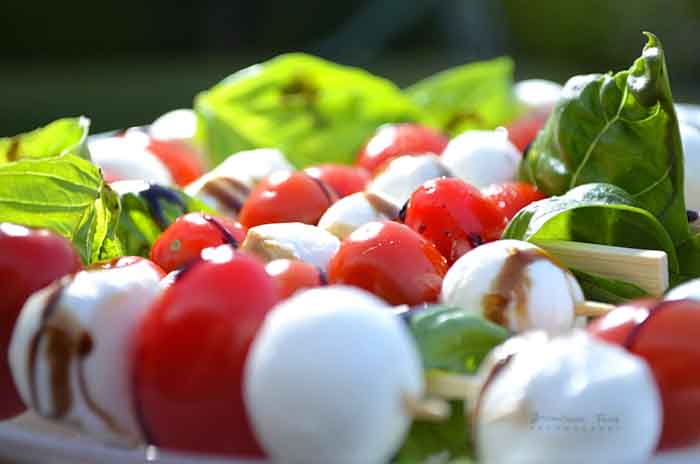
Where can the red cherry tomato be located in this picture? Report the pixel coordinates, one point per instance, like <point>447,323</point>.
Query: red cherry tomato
<point>394,140</point>
<point>511,197</point>
<point>124,261</point>
<point>390,260</point>
<point>29,260</point>
<point>287,197</point>
<point>666,336</point>
<point>523,131</point>
<point>184,239</point>
<point>453,215</point>
<point>292,275</point>
<point>191,351</point>
<point>345,180</point>
<point>182,161</point>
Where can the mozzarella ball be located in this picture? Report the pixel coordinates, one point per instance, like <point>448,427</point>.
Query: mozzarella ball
<point>537,94</point>
<point>180,124</point>
<point>327,377</point>
<point>515,284</point>
<point>690,137</point>
<point>71,350</point>
<point>227,186</point>
<point>405,174</point>
<point>570,399</point>
<point>482,158</point>
<point>124,158</point>
<point>353,211</point>
<point>291,240</point>
<point>689,290</point>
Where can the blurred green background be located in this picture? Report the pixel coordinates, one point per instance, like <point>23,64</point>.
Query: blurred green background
<point>124,63</point>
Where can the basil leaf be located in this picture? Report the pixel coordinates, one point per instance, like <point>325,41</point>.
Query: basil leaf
<point>61,137</point>
<point>454,340</point>
<point>593,213</point>
<point>689,256</point>
<point>66,195</point>
<point>147,210</point>
<point>311,109</point>
<point>619,129</point>
<point>473,96</point>
<point>597,288</point>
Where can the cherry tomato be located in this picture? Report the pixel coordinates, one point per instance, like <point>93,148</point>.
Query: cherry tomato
<point>29,260</point>
<point>287,197</point>
<point>394,140</point>
<point>453,215</point>
<point>184,239</point>
<point>666,336</point>
<point>345,180</point>
<point>183,161</point>
<point>523,131</point>
<point>511,197</point>
<point>390,260</point>
<point>292,275</point>
<point>191,350</point>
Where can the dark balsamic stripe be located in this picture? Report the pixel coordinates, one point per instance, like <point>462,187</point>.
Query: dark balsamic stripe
<point>692,215</point>
<point>228,238</point>
<point>185,269</point>
<point>637,329</point>
<point>331,195</point>
<point>402,211</point>
<point>322,277</point>
<point>227,191</point>
<point>153,194</point>
<point>13,152</point>
<point>493,375</point>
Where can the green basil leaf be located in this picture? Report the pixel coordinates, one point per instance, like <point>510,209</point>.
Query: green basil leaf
<point>311,109</point>
<point>67,195</point>
<point>689,257</point>
<point>597,288</point>
<point>593,213</point>
<point>147,210</point>
<point>453,339</point>
<point>61,137</point>
<point>618,129</point>
<point>473,96</point>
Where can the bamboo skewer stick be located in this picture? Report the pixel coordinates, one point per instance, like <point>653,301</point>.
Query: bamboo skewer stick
<point>427,409</point>
<point>648,269</point>
<point>592,309</point>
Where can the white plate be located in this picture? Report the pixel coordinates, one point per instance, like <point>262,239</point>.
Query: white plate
<point>33,440</point>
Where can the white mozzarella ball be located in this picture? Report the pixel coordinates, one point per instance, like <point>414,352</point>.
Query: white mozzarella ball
<point>127,158</point>
<point>688,113</point>
<point>327,377</point>
<point>482,158</point>
<point>72,348</point>
<point>515,284</point>
<point>292,240</point>
<point>349,213</point>
<point>227,186</point>
<point>690,137</point>
<point>689,290</point>
<point>537,94</point>
<point>404,175</point>
<point>180,124</point>
<point>572,399</point>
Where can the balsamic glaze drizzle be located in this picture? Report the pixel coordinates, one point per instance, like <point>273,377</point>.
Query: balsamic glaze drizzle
<point>154,194</point>
<point>228,238</point>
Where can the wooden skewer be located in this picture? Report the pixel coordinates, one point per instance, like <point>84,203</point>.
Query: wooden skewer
<point>427,409</point>
<point>648,269</point>
<point>592,309</point>
<point>451,386</point>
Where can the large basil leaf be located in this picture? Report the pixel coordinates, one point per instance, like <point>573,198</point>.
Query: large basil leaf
<point>473,96</point>
<point>457,341</point>
<point>61,137</point>
<point>67,195</point>
<point>597,288</point>
<point>147,210</point>
<point>619,129</point>
<point>311,109</point>
<point>596,213</point>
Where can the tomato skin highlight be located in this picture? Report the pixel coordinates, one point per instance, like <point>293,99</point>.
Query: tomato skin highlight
<point>394,140</point>
<point>666,336</point>
<point>291,276</point>
<point>511,197</point>
<point>454,216</point>
<point>191,351</point>
<point>390,260</point>
<point>183,241</point>
<point>344,180</point>
<point>30,259</point>
<point>287,197</point>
